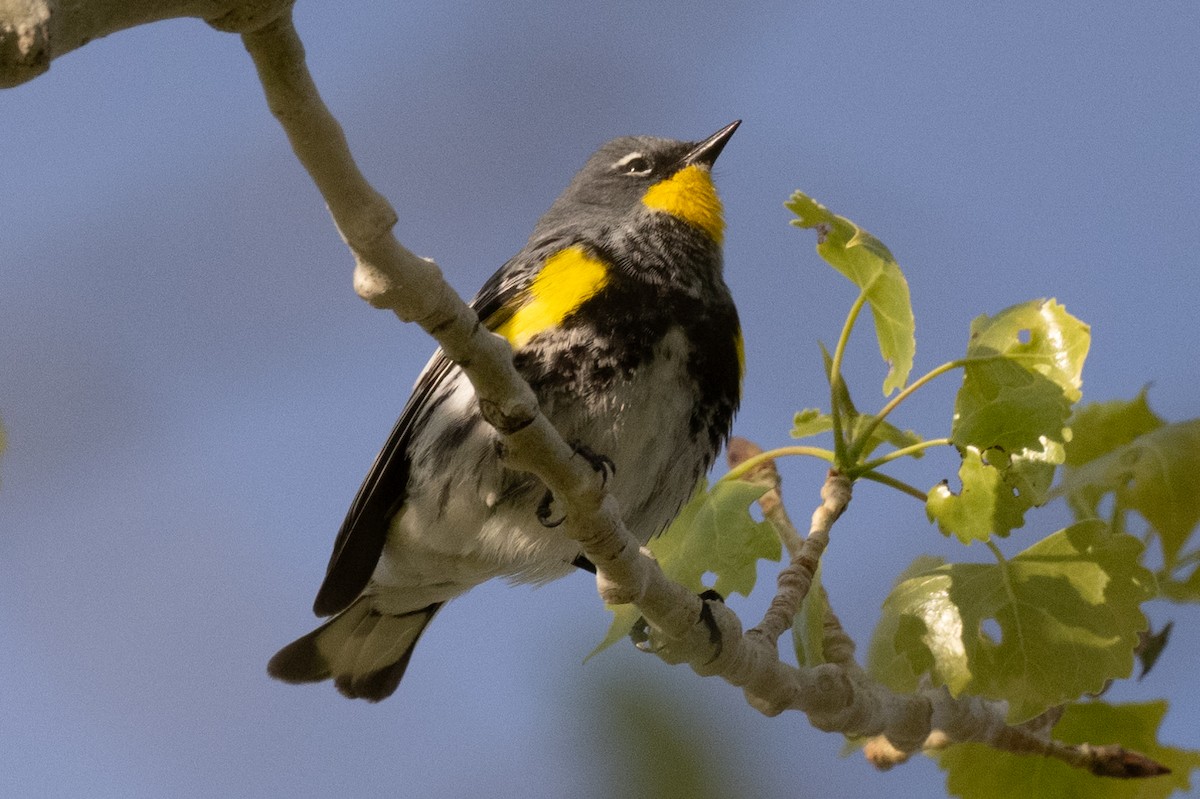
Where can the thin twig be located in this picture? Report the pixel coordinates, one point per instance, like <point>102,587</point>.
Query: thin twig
<point>796,578</point>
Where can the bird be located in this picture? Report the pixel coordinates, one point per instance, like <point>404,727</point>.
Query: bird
<point>620,320</point>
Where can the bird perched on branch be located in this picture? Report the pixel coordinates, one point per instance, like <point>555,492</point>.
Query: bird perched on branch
<point>622,324</point>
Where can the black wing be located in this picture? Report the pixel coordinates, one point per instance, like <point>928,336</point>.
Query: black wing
<point>360,541</point>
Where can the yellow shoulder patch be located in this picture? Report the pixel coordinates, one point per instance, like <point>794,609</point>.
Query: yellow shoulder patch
<point>690,195</point>
<point>567,279</point>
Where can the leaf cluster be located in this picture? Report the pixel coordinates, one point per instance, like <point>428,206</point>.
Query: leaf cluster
<point>1045,629</point>
<point>713,535</point>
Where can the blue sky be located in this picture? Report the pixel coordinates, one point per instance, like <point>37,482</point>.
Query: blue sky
<point>192,392</point>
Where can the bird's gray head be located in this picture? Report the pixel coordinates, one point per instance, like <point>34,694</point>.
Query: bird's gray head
<point>636,175</point>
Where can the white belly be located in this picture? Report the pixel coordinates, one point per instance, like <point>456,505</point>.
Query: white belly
<point>474,520</point>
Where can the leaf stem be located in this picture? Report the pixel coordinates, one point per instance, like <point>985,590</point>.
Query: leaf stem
<point>1116,524</point>
<point>865,436</point>
<point>920,446</point>
<point>899,485</point>
<point>835,376</point>
<point>751,462</point>
<point>996,551</point>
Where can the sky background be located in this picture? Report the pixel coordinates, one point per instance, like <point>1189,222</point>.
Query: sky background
<point>192,392</point>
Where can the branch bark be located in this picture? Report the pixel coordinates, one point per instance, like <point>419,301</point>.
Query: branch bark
<point>35,32</point>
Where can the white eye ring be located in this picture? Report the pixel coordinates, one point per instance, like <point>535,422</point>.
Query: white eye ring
<point>634,164</point>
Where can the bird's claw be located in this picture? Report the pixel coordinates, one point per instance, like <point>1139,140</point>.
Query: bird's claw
<point>600,463</point>
<point>640,632</point>
<point>547,516</point>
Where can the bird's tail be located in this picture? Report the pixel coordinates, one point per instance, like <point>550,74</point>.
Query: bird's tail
<point>363,650</point>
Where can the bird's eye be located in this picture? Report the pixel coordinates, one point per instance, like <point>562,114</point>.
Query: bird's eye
<point>634,164</point>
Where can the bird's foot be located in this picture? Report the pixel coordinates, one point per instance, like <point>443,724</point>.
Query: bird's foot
<point>640,634</point>
<point>547,514</point>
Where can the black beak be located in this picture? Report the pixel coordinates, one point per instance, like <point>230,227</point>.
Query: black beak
<point>706,152</point>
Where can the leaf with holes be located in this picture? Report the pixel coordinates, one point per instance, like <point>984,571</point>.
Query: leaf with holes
<point>865,260</point>
<point>713,534</point>
<point>996,492</point>
<point>1024,373</point>
<point>900,667</point>
<point>1066,611</point>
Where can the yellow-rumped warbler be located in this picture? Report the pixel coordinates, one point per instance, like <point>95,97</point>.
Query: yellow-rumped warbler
<point>622,324</point>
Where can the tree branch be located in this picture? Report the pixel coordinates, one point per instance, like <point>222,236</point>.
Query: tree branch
<point>35,32</point>
<point>796,578</point>
<point>928,719</point>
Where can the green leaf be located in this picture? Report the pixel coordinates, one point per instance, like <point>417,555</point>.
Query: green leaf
<point>624,617</point>
<point>1010,417</point>
<point>1031,472</point>
<point>884,433</point>
<point>842,405</point>
<point>977,771</point>
<point>808,627</point>
<point>811,422</point>
<point>1100,427</point>
<point>930,631</point>
<point>1067,612</point>
<point>722,538</point>
<point>713,534</point>
<point>996,492</point>
<point>983,504</point>
<point>1018,391</point>
<point>900,668</point>
<point>1156,474</point>
<point>869,265</point>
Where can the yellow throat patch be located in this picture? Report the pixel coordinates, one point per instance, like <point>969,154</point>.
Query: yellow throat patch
<point>567,280</point>
<point>689,195</point>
